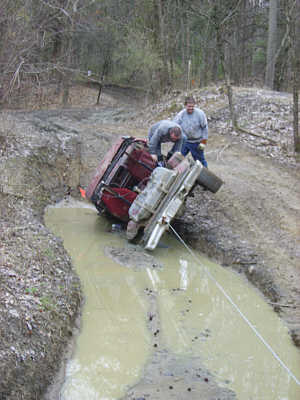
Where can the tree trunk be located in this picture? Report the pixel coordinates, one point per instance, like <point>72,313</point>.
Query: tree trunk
<point>296,77</point>
<point>296,116</point>
<point>272,44</point>
<point>188,54</point>
<point>183,42</point>
<point>188,78</point>
<point>221,52</point>
<point>165,78</point>
<point>240,67</point>
<point>231,103</point>
<point>66,75</point>
<point>102,77</point>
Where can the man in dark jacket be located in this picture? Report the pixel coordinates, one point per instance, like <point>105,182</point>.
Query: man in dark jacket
<point>162,132</point>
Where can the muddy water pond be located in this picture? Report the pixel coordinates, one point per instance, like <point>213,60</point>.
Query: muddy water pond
<point>139,303</point>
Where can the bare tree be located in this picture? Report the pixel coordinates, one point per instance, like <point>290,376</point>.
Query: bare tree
<point>296,73</point>
<point>145,43</point>
<point>272,44</point>
<point>163,42</point>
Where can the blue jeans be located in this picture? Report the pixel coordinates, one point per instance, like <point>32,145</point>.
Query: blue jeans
<point>197,154</point>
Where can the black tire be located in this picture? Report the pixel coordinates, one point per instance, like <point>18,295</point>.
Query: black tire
<point>209,180</point>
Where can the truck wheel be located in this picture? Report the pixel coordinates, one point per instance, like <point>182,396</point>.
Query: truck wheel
<point>209,180</point>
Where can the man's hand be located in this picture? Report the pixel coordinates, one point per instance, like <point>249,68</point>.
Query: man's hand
<point>201,146</point>
<point>160,160</point>
<point>154,156</point>
<point>169,155</point>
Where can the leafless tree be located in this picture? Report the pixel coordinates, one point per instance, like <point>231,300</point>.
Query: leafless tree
<point>152,44</point>
<point>272,44</point>
<point>296,72</point>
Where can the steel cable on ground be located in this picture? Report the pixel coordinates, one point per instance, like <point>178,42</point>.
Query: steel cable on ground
<point>219,286</point>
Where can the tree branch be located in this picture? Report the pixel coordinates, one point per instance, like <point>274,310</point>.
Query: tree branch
<point>231,14</point>
<point>242,130</point>
<point>16,77</point>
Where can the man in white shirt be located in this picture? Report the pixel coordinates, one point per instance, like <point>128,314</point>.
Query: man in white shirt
<point>193,123</point>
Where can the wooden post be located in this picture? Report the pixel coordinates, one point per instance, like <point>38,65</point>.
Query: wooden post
<point>188,79</point>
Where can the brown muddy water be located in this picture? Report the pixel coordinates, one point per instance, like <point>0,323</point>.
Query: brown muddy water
<point>115,343</point>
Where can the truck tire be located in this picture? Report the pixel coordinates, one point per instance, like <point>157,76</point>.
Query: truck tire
<point>209,180</point>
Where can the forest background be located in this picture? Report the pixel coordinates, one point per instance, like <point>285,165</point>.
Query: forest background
<point>152,45</point>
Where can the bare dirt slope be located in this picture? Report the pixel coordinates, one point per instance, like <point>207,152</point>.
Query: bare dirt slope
<point>252,224</point>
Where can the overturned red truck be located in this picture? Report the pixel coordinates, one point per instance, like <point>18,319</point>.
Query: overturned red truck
<point>129,186</point>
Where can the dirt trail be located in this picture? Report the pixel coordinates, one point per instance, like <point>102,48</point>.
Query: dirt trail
<point>262,201</point>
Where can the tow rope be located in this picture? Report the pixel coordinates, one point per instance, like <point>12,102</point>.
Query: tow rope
<point>235,306</point>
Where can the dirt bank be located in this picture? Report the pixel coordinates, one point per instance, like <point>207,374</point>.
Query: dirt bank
<point>251,224</point>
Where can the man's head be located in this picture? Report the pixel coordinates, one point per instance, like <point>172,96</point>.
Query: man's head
<point>189,103</point>
<point>175,133</point>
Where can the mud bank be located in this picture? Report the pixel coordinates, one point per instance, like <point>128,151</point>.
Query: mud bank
<point>45,155</point>
<point>252,225</point>
<point>40,294</point>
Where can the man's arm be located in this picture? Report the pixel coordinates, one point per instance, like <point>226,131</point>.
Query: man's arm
<point>155,144</point>
<point>203,126</point>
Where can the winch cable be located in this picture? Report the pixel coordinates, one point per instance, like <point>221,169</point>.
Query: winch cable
<point>235,306</point>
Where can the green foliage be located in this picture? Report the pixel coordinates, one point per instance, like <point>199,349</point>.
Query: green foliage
<point>47,303</point>
<point>259,51</point>
<point>136,61</point>
<point>259,56</point>
<point>49,253</point>
<point>31,290</point>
